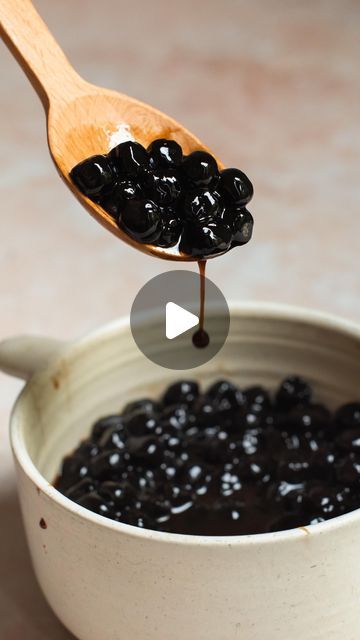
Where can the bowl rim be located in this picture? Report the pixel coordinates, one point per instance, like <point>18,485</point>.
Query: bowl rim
<point>72,349</point>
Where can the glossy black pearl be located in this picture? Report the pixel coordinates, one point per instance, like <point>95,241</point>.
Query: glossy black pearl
<point>225,395</point>
<point>147,449</point>
<point>112,439</point>
<point>207,240</point>
<point>309,418</point>
<point>202,205</point>
<point>349,440</point>
<point>183,392</point>
<point>293,391</point>
<point>120,493</point>
<point>324,502</point>
<point>103,424</point>
<point>236,186</point>
<point>141,423</point>
<point>141,220</point>
<point>87,449</point>
<point>171,228</point>
<point>199,169</point>
<point>242,227</point>
<point>145,405</point>
<point>348,469</point>
<point>115,201</point>
<point>348,416</point>
<point>257,396</point>
<point>163,187</point>
<point>130,159</point>
<point>73,469</point>
<point>94,502</point>
<point>93,176</point>
<point>84,486</point>
<point>107,464</point>
<point>164,154</point>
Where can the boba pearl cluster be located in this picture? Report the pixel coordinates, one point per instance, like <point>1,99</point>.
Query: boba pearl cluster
<point>223,461</point>
<point>160,197</point>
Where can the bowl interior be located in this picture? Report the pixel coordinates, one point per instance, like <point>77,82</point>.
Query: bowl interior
<point>100,374</point>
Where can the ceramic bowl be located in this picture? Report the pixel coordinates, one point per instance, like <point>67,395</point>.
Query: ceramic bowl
<point>111,581</point>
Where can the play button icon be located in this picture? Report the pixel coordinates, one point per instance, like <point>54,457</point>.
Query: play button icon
<point>165,320</point>
<point>178,320</point>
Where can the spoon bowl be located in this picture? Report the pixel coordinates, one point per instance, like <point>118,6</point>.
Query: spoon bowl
<point>83,119</point>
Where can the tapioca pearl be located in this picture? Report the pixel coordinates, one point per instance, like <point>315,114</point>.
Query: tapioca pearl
<point>163,186</point>
<point>73,469</point>
<point>210,449</point>
<point>273,442</point>
<point>199,169</point>
<point>309,417</point>
<point>235,186</point>
<point>121,192</point>
<point>242,227</point>
<point>178,416</point>
<point>93,176</point>
<point>293,391</point>
<point>146,405</point>
<point>164,154</point>
<point>324,502</point>
<point>201,241</point>
<point>348,415</point>
<point>141,423</point>
<point>86,450</point>
<point>94,502</point>
<point>322,464</point>
<point>348,470</point>
<point>112,439</point>
<point>206,414</point>
<point>108,464</point>
<point>349,440</point>
<point>225,396</point>
<point>184,392</point>
<point>147,448</point>
<point>171,228</point>
<point>130,159</point>
<point>257,396</point>
<point>84,486</point>
<point>119,493</point>
<point>103,424</point>
<point>202,205</point>
<point>141,220</point>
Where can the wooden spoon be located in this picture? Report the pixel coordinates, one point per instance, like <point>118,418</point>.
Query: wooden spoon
<point>83,119</point>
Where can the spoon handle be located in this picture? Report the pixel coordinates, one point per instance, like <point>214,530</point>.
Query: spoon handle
<point>37,52</point>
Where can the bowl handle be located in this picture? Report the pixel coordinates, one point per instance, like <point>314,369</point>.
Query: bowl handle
<point>23,356</point>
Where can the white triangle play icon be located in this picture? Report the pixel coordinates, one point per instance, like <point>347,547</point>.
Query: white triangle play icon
<point>178,320</point>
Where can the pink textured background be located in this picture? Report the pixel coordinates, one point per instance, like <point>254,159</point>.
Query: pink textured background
<point>273,87</point>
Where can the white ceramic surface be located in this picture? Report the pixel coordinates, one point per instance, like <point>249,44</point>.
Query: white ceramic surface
<point>112,581</point>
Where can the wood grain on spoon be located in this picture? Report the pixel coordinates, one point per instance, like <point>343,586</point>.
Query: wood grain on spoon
<point>83,119</point>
